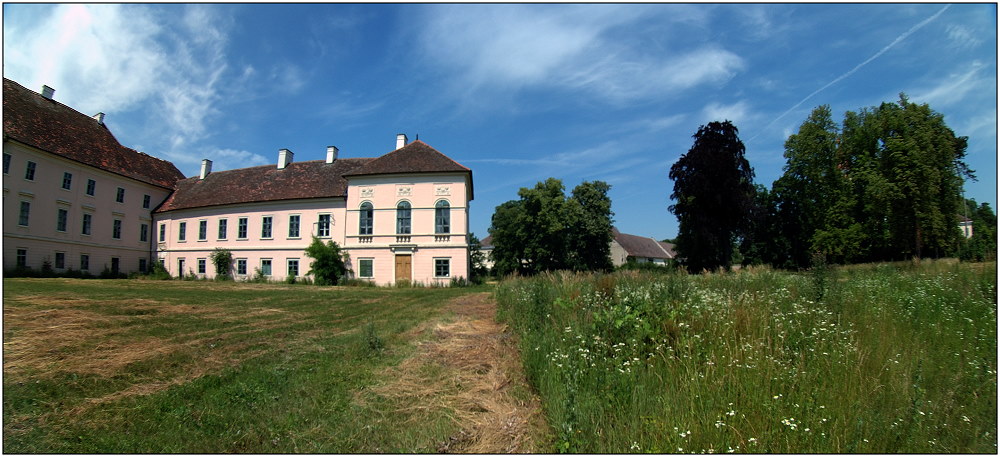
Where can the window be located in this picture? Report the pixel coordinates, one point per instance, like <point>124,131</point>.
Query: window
<point>163,233</point>
<point>6,163</point>
<point>241,228</point>
<point>403,218</point>
<point>202,230</point>
<point>180,268</point>
<point>29,171</point>
<point>142,265</point>
<point>116,229</point>
<point>22,257</point>
<point>241,266</point>
<point>223,228</point>
<point>265,267</point>
<point>265,227</point>
<point>22,218</point>
<point>442,217</point>
<point>120,197</point>
<point>293,226</point>
<point>61,216</point>
<point>91,187</point>
<point>84,262</point>
<point>115,265</point>
<point>365,268</point>
<point>442,268</point>
<point>60,260</point>
<point>87,220</point>
<point>143,232</point>
<point>201,266</point>
<point>365,224</point>
<point>145,201</point>
<point>323,229</point>
<point>293,267</point>
<point>182,231</point>
<point>67,180</point>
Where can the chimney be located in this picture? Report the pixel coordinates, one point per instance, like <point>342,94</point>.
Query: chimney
<point>284,158</point>
<point>100,118</point>
<point>331,154</point>
<point>206,168</point>
<point>400,140</point>
<point>48,92</point>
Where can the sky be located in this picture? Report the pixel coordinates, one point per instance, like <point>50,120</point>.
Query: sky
<point>518,93</point>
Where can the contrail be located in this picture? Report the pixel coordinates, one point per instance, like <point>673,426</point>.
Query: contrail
<point>856,68</point>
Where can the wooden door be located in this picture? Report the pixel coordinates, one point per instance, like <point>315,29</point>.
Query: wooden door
<point>403,267</point>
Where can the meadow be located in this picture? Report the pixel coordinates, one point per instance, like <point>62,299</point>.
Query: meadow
<point>137,366</point>
<point>891,358</point>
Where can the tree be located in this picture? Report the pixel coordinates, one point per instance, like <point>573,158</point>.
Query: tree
<point>477,260</point>
<point>546,231</point>
<point>223,261</point>
<point>329,264</point>
<point>714,192</point>
<point>983,244</point>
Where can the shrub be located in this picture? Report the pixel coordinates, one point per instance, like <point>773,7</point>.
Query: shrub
<point>329,263</point>
<point>223,261</point>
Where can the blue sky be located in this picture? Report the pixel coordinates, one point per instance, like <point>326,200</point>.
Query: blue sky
<point>518,93</point>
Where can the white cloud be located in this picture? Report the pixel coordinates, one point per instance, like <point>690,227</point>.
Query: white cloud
<point>737,112</point>
<point>957,86</point>
<point>563,47</point>
<point>962,37</point>
<point>228,159</point>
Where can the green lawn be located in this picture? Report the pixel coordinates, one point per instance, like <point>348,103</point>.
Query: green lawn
<point>132,366</point>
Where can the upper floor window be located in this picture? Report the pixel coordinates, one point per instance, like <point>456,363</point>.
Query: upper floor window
<point>29,171</point>
<point>223,228</point>
<point>145,201</point>
<point>265,227</point>
<point>120,197</point>
<point>365,223</point>
<point>202,230</point>
<point>442,217</point>
<point>22,218</point>
<point>323,228</point>
<point>293,226</point>
<point>6,163</point>
<point>88,220</point>
<point>403,218</point>
<point>182,231</point>
<point>91,187</point>
<point>61,216</point>
<point>241,228</point>
<point>116,229</point>
<point>163,232</point>
<point>143,232</point>
<point>67,180</point>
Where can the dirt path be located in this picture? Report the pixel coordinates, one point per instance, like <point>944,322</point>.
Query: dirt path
<point>471,369</point>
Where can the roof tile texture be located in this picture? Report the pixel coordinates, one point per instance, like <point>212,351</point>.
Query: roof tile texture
<point>416,157</point>
<point>54,127</point>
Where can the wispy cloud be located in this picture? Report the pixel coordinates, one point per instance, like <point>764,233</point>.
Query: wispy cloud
<point>737,112</point>
<point>898,39</point>
<point>957,87</point>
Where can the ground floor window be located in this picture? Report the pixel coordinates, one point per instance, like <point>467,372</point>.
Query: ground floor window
<point>265,267</point>
<point>115,265</point>
<point>201,266</point>
<point>22,257</point>
<point>84,262</point>
<point>241,266</point>
<point>142,265</point>
<point>60,260</point>
<point>365,268</point>
<point>293,267</point>
<point>442,268</point>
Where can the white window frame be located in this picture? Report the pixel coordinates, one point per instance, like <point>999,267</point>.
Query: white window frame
<point>371,267</point>
<point>244,261</point>
<point>436,259</point>
<point>202,229</point>
<point>321,228</point>
<point>297,225</point>
<point>270,267</point>
<point>223,229</point>
<point>268,223</point>
<point>288,267</point>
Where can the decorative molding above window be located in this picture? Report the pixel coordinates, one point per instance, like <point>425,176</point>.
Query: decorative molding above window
<point>367,192</point>
<point>442,190</point>
<point>404,191</point>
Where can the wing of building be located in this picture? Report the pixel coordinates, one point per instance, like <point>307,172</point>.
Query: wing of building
<point>640,249</point>
<point>401,216</point>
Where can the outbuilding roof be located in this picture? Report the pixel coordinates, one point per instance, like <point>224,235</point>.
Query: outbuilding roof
<point>311,179</point>
<point>641,246</point>
<point>51,126</point>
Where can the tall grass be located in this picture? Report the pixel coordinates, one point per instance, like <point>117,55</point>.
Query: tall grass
<point>866,359</point>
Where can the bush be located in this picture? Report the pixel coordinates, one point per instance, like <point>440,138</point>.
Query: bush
<point>223,261</point>
<point>329,263</point>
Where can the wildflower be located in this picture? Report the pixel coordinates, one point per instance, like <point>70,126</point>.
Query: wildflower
<point>966,418</point>
<point>752,440</point>
<point>635,446</point>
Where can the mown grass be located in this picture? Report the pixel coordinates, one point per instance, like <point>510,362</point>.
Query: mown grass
<point>898,358</point>
<point>129,366</point>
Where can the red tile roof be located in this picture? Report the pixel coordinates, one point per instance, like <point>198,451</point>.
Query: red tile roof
<point>641,246</point>
<point>312,179</point>
<point>54,127</point>
<point>416,157</point>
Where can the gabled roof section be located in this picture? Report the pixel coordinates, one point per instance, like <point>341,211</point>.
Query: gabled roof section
<point>641,246</point>
<point>298,180</point>
<point>54,127</point>
<point>416,157</point>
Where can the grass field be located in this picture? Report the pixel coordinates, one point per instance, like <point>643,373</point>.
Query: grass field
<point>895,358</point>
<point>131,366</point>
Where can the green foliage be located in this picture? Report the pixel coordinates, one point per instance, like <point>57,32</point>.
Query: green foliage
<point>897,358</point>
<point>478,260</point>
<point>546,231</point>
<point>983,244</point>
<point>713,194</point>
<point>223,261</point>
<point>328,264</point>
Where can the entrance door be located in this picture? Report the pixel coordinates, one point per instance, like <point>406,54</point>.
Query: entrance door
<point>403,267</point>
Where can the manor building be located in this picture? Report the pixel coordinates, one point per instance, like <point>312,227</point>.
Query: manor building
<point>402,216</point>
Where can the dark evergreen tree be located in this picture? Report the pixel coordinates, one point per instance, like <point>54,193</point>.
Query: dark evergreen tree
<point>714,193</point>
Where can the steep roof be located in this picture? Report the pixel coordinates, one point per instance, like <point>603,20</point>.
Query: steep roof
<point>641,246</point>
<point>54,127</point>
<point>486,243</point>
<point>312,179</point>
<point>416,157</point>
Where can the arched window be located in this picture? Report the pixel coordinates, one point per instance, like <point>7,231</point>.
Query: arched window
<point>403,218</point>
<point>365,224</point>
<point>442,217</point>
